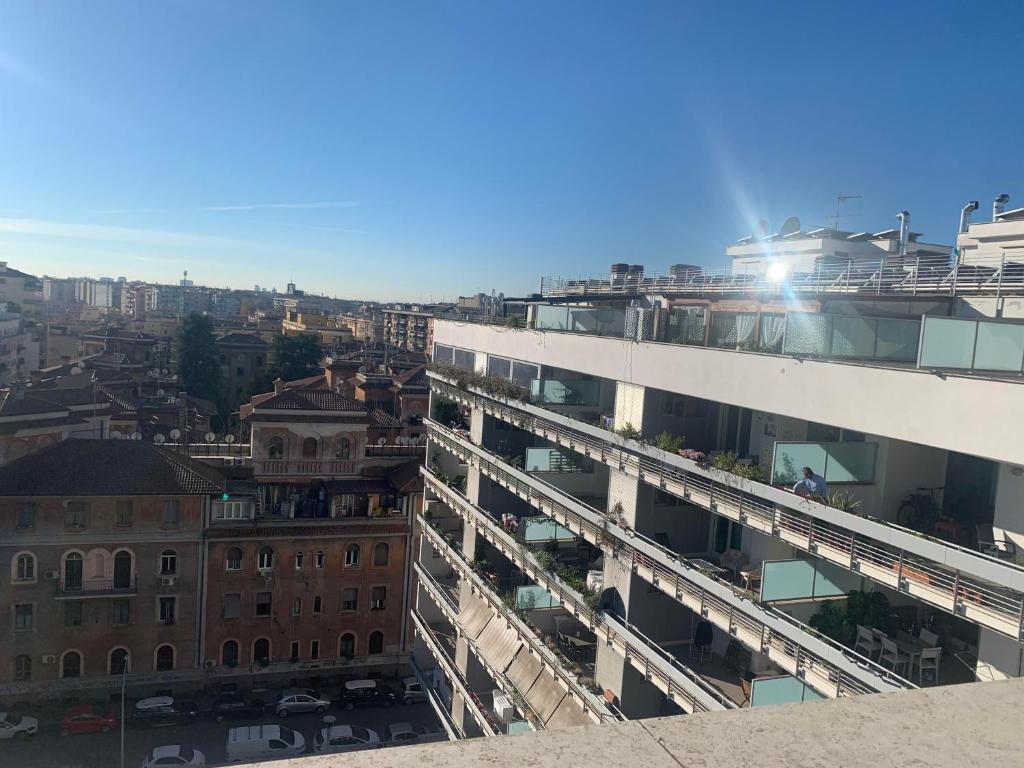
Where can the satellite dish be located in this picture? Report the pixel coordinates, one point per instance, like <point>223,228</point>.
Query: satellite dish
<point>382,441</point>
<point>166,371</point>
<point>159,439</point>
<point>137,436</point>
<point>400,440</point>
<point>210,437</point>
<point>175,434</point>
<point>116,435</point>
<point>790,226</point>
<point>229,439</point>
<point>414,440</point>
<point>76,370</point>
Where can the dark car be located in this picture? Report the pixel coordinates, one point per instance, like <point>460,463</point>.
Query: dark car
<point>232,705</point>
<point>365,693</point>
<point>158,711</point>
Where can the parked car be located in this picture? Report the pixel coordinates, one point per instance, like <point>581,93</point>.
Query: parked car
<point>365,693</point>
<point>86,718</point>
<point>163,710</point>
<point>233,705</point>
<point>14,727</point>
<point>344,738</point>
<point>411,733</point>
<point>252,743</point>
<point>412,690</point>
<point>174,755</point>
<point>297,700</point>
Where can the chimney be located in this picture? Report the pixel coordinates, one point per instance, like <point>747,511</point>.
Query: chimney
<point>278,385</point>
<point>965,215</point>
<point>3,266</point>
<point>904,218</point>
<point>999,204</point>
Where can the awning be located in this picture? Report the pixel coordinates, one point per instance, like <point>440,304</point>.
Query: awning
<point>545,696</point>
<point>474,616</point>
<point>498,643</point>
<point>524,669</point>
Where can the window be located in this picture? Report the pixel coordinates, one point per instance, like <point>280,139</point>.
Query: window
<point>121,612</point>
<point>171,513</point>
<point>72,572</point>
<point>22,668</point>
<point>240,372</point>
<point>296,606</point>
<point>344,448</point>
<point>25,567</point>
<point>167,609</point>
<point>295,650</point>
<point>233,560</point>
<point>263,603</point>
<point>349,598</point>
<point>27,515</point>
<point>23,617</point>
<point>229,653</point>
<point>261,651</point>
<point>380,554</point>
<point>265,560</point>
<point>300,559</point>
<point>317,605</point>
<point>378,598</point>
<point>347,645</point>
<point>123,513</point>
<point>71,664</point>
<point>352,556</point>
<point>75,514</point>
<point>118,661</point>
<point>376,643</point>
<point>72,613</point>
<point>232,605</point>
<point>314,650</point>
<point>165,658</point>
<point>275,448</point>
<point>309,447</point>
<point>123,570</point>
<point>318,560</point>
<point>233,510</point>
<point>168,562</point>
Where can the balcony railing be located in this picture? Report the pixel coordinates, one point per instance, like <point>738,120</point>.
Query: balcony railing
<point>832,669</point>
<point>566,391</point>
<point>970,584</point>
<point>972,345</point>
<point>554,460</point>
<point>307,467</point>
<point>838,462</point>
<point>97,587</point>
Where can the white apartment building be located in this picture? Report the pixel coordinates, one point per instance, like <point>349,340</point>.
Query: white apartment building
<point>611,530</point>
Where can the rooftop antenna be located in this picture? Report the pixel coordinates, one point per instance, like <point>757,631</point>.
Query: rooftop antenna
<point>840,199</point>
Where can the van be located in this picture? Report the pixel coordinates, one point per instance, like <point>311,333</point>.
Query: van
<point>250,743</point>
<point>412,691</point>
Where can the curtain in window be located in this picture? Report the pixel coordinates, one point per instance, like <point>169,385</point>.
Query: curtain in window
<point>745,324</point>
<point>772,329</point>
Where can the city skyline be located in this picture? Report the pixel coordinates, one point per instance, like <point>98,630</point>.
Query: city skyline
<point>468,149</point>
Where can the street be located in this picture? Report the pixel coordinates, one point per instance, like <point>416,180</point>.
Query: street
<point>47,749</point>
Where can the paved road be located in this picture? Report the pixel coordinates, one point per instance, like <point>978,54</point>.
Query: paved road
<point>47,749</point>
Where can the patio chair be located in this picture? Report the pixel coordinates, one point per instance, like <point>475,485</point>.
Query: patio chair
<point>929,660</point>
<point>930,639</point>
<point>732,559</point>
<point>866,642</point>
<point>892,655</point>
<point>995,544</point>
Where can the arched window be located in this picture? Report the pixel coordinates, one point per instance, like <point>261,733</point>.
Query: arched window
<point>72,572</point>
<point>168,562</point>
<point>22,668</point>
<point>309,446</point>
<point>233,559</point>
<point>24,567</point>
<point>123,570</point>
<point>352,556</point>
<point>165,658</point>
<point>261,651</point>
<point>275,448</point>
<point>347,645</point>
<point>376,643</point>
<point>344,448</point>
<point>380,554</point>
<point>229,653</point>
<point>119,661</point>
<point>265,559</point>
<point>71,664</point>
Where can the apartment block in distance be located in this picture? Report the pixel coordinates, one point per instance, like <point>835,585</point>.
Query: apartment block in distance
<point>611,528</point>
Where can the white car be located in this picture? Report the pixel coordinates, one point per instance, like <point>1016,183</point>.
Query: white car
<point>12,726</point>
<point>411,733</point>
<point>174,755</point>
<point>344,738</point>
<point>299,700</point>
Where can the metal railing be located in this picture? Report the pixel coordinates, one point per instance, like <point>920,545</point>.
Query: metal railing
<point>306,467</point>
<point>982,274</point>
<point>682,684</point>
<point>97,587</point>
<point>902,559</point>
<point>829,667</point>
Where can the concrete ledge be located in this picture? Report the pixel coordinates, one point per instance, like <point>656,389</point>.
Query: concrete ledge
<point>963,726</point>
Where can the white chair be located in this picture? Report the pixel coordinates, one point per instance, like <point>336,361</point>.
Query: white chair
<point>929,660</point>
<point>866,642</point>
<point>930,639</point>
<point>891,654</point>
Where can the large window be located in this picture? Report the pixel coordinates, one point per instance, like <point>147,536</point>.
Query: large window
<point>232,605</point>
<point>275,448</point>
<point>71,664</point>
<point>171,507</point>
<point>264,603</point>
<point>76,514</point>
<point>343,448</point>
<point>167,609</point>
<point>124,513</point>
<point>25,567</point>
<point>265,559</point>
<point>352,556</point>
<point>233,559</point>
<point>22,668</point>
<point>229,653</point>
<point>378,598</point>
<point>732,330</point>
<point>165,658</point>
<point>119,661</point>
<point>380,554</point>
<point>72,571</point>
<point>349,598</point>
<point>121,613</point>
<point>309,448</point>
<point>168,562</point>
<point>376,644</point>
<point>23,615</point>
<point>27,515</point>
<point>347,645</point>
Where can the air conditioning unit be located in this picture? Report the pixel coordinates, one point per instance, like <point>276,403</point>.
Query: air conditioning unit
<point>210,663</point>
<point>502,704</point>
<point>378,605</point>
<point>49,658</point>
<point>168,581</point>
<point>51,573</point>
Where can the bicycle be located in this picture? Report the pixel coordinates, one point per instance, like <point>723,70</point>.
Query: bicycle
<point>920,511</point>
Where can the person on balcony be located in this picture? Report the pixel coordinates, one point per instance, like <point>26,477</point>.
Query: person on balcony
<point>812,486</point>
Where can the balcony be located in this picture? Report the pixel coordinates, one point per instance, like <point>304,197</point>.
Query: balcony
<point>972,345</point>
<point>566,392</point>
<point>286,467</point>
<point>970,584</point>
<point>123,587</point>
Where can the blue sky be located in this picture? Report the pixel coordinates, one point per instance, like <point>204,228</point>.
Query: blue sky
<point>416,150</point>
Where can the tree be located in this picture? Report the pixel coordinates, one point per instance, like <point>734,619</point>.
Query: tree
<point>291,358</point>
<point>198,359</point>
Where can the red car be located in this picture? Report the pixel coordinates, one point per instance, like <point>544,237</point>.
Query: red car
<point>85,719</point>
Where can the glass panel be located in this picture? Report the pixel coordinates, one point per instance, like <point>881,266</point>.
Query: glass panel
<point>1000,347</point>
<point>804,579</point>
<point>524,373</point>
<point>530,597</point>
<point>724,334</point>
<point>499,366</point>
<point>807,333</point>
<point>565,391</point>
<point>790,458</point>
<point>853,337</point>
<point>464,359</point>
<point>442,354</point>
<point>947,343</point>
<point>553,460</point>
<point>850,462</point>
<point>898,339</point>
<point>536,529</point>
<point>765,691</point>
<point>551,318</point>
<point>685,326</point>
<point>603,322</point>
